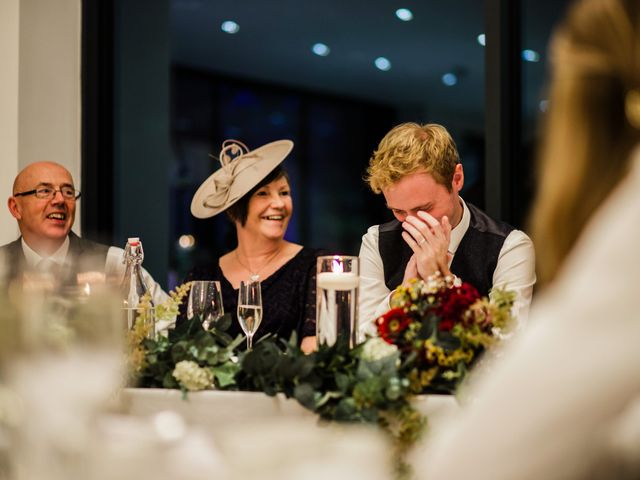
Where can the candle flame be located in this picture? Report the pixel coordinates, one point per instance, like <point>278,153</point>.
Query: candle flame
<point>87,289</point>
<point>336,265</point>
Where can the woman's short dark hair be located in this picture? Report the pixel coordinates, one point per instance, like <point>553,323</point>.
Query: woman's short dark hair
<point>239,211</point>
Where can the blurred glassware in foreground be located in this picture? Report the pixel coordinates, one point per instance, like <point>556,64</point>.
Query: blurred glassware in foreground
<point>61,356</point>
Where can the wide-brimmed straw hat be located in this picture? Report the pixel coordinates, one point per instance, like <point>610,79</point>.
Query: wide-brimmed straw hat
<point>241,171</point>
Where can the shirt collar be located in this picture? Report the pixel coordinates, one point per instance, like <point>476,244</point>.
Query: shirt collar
<point>459,230</point>
<point>33,258</point>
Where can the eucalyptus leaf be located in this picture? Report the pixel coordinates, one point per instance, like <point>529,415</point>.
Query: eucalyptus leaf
<point>365,370</point>
<point>151,359</point>
<point>180,351</point>
<point>169,381</point>
<point>204,340</point>
<point>369,415</point>
<point>223,323</point>
<point>346,410</point>
<point>343,382</point>
<point>225,374</point>
<point>306,396</point>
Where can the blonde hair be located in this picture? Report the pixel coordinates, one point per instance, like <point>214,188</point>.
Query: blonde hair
<point>587,139</point>
<point>410,147</point>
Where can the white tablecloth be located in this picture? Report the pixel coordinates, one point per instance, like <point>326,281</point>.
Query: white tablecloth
<point>157,434</point>
<point>276,438</point>
<point>219,408</point>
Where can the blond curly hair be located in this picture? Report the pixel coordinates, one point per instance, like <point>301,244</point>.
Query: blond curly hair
<point>410,147</point>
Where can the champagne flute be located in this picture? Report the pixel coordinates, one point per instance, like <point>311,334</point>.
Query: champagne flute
<point>250,308</point>
<point>205,301</point>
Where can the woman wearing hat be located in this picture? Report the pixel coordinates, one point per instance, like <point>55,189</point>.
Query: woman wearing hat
<point>253,189</point>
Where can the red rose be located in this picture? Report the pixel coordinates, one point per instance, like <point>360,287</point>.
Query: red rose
<point>392,324</point>
<point>445,325</point>
<point>453,303</point>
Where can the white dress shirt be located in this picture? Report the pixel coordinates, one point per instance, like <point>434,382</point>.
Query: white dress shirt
<point>514,271</point>
<point>114,267</point>
<point>34,259</point>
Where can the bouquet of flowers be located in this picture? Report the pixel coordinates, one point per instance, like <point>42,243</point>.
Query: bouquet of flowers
<point>441,326</point>
<point>365,384</point>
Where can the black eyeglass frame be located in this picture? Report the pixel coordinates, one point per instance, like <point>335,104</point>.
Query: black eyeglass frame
<point>36,190</point>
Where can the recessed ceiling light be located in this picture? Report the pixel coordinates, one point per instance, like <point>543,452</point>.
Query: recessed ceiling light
<point>482,40</point>
<point>449,79</point>
<point>404,14</point>
<point>320,49</point>
<point>229,26</point>
<point>530,55</point>
<point>382,64</point>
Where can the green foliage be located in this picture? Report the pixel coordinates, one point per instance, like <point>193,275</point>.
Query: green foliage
<point>337,383</point>
<point>213,349</point>
<point>428,341</point>
<point>340,384</point>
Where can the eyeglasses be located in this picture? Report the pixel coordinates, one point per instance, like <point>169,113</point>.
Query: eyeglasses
<point>68,193</point>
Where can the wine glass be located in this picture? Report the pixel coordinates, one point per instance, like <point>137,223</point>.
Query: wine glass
<point>205,301</point>
<point>250,308</point>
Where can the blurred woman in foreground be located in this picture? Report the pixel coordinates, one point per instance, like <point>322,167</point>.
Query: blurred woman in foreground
<point>553,406</point>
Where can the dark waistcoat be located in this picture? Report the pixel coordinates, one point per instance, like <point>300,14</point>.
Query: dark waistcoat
<point>83,256</point>
<point>475,259</point>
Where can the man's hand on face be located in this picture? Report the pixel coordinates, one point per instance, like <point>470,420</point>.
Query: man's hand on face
<point>411,271</point>
<point>429,240</point>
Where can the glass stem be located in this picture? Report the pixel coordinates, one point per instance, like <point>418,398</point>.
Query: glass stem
<point>249,342</point>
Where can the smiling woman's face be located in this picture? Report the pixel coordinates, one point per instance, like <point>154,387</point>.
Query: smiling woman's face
<point>270,209</point>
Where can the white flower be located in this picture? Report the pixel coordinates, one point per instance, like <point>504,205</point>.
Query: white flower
<point>433,284</point>
<point>377,349</point>
<point>191,376</point>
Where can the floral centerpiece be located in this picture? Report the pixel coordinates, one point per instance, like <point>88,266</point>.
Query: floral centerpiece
<point>364,384</point>
<point>429,339</point>
<point>441,326</point>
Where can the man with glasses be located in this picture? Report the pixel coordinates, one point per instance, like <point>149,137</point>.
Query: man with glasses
<point>44,204</point>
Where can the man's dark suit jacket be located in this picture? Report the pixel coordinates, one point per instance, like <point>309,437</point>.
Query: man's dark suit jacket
<point>83,256</point>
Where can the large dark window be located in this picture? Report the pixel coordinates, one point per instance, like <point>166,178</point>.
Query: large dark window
<point>163,86</point>
<point>333,138</point>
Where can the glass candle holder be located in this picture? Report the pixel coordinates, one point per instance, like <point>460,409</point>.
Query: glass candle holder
<point>337,284</point>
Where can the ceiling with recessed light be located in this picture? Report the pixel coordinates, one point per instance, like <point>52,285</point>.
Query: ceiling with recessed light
<point>431,64</point>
